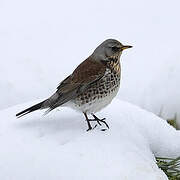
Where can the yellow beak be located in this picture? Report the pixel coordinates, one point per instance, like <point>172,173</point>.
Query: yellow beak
<point>126,47</point>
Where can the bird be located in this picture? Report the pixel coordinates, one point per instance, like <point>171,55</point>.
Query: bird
<point>91,86</point>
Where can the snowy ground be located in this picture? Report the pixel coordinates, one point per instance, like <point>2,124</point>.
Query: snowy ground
<point>56,146</point>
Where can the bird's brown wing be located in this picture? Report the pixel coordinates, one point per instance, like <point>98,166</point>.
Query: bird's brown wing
<point>87,73</point>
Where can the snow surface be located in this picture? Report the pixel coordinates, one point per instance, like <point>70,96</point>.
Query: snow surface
<point>57,146</point>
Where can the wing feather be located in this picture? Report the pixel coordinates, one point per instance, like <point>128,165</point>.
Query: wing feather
<point>86,74</point>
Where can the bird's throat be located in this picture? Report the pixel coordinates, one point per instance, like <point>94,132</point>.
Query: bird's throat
<point>113,64</point>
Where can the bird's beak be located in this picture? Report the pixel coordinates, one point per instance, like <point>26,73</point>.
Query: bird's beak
<point>126,47</point>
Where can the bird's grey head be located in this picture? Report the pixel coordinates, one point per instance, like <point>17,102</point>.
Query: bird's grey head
<point>110,49</point>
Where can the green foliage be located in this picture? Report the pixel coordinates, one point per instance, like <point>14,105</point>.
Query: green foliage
<point>173,121</point>
<point>170,166</point>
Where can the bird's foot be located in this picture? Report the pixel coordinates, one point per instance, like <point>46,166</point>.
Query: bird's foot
<point>96,119</point>
<point>99,121</point>
<point>91,128</point>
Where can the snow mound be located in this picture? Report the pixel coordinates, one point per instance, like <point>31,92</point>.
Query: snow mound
<point>57,146</point>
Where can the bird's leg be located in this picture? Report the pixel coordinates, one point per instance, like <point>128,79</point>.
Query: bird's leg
<point>96,119</point>
<point>88,122</point>
<point>99,121</point>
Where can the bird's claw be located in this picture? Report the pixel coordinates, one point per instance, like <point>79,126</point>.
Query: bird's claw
<point>99,121</point>
<point>91,128</point>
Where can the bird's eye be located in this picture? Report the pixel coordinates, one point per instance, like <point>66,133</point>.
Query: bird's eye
<point>115,48</point>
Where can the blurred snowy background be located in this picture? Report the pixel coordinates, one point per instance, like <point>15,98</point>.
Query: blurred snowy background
<point>41,42</point>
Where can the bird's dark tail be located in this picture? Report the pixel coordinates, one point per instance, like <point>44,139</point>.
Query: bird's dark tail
<point>29,110</point>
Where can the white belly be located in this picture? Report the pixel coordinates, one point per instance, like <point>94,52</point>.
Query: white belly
<point>95,105</point>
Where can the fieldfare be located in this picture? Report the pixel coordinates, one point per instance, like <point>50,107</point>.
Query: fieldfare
<point>91,86</point>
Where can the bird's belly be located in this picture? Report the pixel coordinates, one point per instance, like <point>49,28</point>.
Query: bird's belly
<point>97,96</point>
<point>95,105</point>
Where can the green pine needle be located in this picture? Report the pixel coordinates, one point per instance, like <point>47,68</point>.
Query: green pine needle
<point>170,166</point>
<point>173,121</point>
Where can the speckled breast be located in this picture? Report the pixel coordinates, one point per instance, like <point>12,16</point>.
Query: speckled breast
<point>101,93</point>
